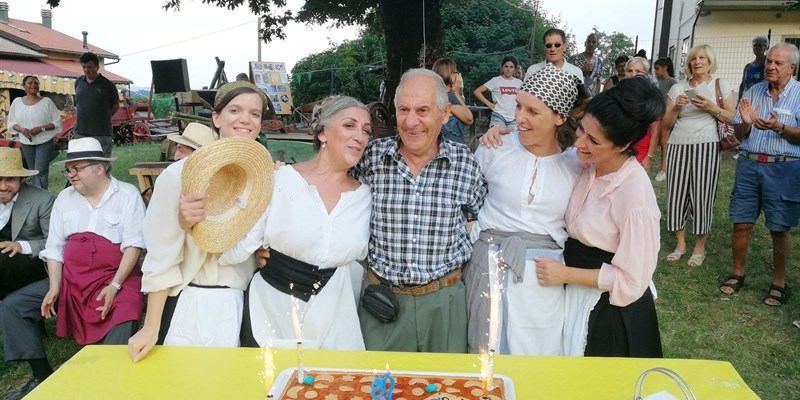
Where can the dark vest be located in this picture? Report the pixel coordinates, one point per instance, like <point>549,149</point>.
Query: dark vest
<point>5,233</point>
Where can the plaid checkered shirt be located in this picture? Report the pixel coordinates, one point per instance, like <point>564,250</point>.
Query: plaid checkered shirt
<point>418,231</point>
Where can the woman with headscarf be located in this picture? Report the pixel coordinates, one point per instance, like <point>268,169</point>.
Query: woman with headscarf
<point>530,179</point>
<point>193,299</point>
<point>613,225</point>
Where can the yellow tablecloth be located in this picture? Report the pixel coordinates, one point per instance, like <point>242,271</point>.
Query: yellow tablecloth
<point>105,372</point>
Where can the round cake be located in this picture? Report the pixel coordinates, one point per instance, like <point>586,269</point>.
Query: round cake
<point>346,385</point>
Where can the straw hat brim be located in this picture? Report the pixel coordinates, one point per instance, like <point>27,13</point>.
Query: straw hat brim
<point>182,140</point>
<point>21,173</point>
<point>236,173</point>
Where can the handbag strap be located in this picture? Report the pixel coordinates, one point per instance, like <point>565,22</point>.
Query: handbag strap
<point>672,375</point>
<point>720,101</point>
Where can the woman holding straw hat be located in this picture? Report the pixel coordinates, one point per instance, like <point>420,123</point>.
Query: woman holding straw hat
<point>193,299</point>
<point>317,228</point>
<point>530,179</point>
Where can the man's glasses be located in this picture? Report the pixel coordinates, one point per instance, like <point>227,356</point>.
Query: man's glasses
<point>75,170</point>
<point>549,45</point>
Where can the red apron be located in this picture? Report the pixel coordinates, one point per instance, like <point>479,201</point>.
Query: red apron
<point>90,262</point>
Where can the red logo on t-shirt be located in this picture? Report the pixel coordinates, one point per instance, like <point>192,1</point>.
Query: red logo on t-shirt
<point>508,90</point>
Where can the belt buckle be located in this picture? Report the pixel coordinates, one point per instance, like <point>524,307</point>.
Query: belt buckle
<point>762,158</point>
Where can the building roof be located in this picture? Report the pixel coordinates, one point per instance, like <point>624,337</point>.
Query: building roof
<point>41,38</point>
<point>75,68</point>
<point>36,68</point>
<point>9,48</point>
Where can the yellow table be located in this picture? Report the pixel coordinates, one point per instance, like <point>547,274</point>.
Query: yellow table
<point>105,372</point>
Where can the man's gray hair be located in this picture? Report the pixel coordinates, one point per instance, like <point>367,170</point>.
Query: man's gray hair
<point>106,167</point>
<point>441,89</point>
<point>794,58</point>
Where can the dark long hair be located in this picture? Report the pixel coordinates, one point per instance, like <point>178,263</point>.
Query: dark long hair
<point>666,62</point>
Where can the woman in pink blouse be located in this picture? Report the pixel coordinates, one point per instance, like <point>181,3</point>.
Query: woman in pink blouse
<point>613,226</point>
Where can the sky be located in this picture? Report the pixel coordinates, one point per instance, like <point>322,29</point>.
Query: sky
<point>140,30</point>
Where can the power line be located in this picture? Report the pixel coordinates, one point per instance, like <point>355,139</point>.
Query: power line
<point>487,54</point>
<point>186,40</point>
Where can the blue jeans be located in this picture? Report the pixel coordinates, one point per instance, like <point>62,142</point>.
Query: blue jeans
<point>501,122</point>
<point>38,157</point>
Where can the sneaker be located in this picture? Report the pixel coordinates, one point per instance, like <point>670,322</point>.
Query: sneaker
<point>32,384</point>
<point>661,176</point>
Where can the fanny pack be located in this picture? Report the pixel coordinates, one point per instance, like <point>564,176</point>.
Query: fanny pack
<point>380,301</point>
<point>294,277</point>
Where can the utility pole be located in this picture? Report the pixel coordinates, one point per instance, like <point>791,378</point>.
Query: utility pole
<point>534,14</point>
<point>258,35</point>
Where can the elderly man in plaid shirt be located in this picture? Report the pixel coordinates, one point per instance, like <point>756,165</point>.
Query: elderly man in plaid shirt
<point>424,190</point>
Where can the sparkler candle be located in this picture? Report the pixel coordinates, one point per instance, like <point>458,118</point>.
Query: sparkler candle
<point>495,287</point>
<point>269,369</point>
<point>298,332</point>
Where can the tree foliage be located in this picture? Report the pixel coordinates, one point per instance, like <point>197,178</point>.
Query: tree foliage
<point>610,47</point>
<point>344,69</point>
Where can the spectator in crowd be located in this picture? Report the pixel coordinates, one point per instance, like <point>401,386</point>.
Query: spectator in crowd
<point>188,290</point>
<point>424,189</point>
<point>591,65</point>
<point>754,71</point>
<point>555,45</point>
<point>665,74</point>
<point>768,169</point>
<point>619,68</point>
<point>36,120</point>
<point>613,226</point>
<point>194,136</point>
<point>24,223</point>
<point>645,148</point>
<point>97,101</point>
<point>459,112</point>
<point>693,150</point>
<point>531,165</point>
<point>241,76</point>
<point>92,252</point>
<point>504,95</point>
<point>316,240</point>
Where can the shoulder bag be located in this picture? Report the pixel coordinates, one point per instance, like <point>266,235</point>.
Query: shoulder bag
<point>727,140</point>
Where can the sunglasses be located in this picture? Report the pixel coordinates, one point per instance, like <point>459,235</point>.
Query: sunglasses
<point>549,45</point>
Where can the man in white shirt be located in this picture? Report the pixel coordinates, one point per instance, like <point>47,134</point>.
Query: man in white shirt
<point>24,222</point>
<point>92,251</point>
<point>555,44</point>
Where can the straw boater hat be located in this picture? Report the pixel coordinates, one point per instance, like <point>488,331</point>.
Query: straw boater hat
<point>11,164</point>
<point>195,136</point>
<point>236,173</point>
<point>87,148</point>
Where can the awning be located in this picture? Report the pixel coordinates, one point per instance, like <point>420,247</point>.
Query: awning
<point>35,68</point>
<point>77,70</point>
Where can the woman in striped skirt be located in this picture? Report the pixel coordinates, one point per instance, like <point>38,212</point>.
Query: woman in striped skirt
<point>693,150</point>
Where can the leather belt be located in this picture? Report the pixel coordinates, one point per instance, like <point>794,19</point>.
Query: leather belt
<point>764,158</point>
<point>420,290</point>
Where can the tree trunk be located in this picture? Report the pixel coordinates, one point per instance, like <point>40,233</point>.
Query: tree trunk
<point>407,44</point>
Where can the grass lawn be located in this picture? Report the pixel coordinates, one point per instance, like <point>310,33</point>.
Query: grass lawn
<point>697,321</point>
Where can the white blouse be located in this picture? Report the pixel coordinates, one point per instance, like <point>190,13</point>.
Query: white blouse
<point>514,176</point>
<point>42,113</point>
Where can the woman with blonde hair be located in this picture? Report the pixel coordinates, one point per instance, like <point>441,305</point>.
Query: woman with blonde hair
<point>459,113</point>
<point>693,150</point>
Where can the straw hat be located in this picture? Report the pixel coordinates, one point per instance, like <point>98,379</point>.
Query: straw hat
<point>195,136</point>
<point>236,173</point>
<point>87,148</point>
<point>11,163</point>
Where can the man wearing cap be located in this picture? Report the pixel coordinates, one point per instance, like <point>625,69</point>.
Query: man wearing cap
<point>424,191</point>
<point>25,219</point>
<point>555,43</point>
<point>194,137</point>
<point>97,101</point>
<point>92,251</point>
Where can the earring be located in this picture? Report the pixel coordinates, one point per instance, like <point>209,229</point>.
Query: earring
<point>323,145</point>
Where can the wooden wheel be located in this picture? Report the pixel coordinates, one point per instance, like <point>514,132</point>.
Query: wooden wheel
<point>141,133</point>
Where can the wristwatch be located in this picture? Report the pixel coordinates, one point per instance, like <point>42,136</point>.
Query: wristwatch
<point>780,131</point>
<point>116,285</point>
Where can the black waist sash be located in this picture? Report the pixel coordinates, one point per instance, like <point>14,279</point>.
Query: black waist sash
<point>579,255</point>
<point>294,277</point>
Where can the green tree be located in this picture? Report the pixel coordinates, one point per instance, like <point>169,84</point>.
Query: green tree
<point>344,69</point>
<point>610,47</point>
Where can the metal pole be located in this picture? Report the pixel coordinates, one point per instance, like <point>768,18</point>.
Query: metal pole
<point>258,35</point>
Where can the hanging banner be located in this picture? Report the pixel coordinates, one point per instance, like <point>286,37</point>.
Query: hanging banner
<point>271,77</point>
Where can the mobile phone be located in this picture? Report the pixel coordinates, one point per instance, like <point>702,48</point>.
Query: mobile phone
<point>691,93</point>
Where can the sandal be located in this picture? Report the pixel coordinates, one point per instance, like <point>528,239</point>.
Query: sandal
<point>736,284</point>
<point>675,256</point>
<point>780,298</point>
<point>696,260</point>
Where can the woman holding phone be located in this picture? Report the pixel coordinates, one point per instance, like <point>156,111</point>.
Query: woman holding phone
<point>693,150</point>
